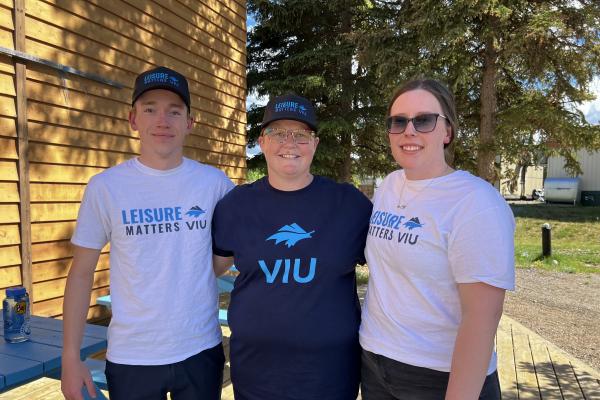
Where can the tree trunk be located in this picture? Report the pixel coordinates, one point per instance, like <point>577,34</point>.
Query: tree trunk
<point>487,123</point>
<point>346,103</point>
<point>523,178</point>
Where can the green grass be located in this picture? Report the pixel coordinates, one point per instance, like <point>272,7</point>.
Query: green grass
<point>575,237</point>
<point>362,274</point>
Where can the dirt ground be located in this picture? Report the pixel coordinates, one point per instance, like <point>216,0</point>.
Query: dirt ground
<point>562,308</point>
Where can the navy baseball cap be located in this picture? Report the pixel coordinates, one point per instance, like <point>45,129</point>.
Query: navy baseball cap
<point>290,106</point>
<point>161,78</point>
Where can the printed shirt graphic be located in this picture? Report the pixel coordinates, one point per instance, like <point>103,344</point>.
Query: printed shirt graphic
<point>290,235</point>
<point>162,286</point>
<point>294,311</point>
<point>457,230</point>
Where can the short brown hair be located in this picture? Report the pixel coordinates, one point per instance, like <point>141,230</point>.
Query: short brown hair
<point>442,95</point>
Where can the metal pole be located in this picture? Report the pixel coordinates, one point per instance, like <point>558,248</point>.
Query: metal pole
<point>546,240</point>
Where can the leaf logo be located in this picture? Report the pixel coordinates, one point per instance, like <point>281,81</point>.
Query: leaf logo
<point>290,234</point>
<point>195,212</point>
<point>413,223</point>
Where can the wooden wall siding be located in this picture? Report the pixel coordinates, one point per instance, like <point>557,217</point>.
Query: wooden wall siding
<point>78,127</point>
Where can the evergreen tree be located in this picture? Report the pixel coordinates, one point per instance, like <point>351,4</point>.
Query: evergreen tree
<point>306,47</point>
<point>518,69</point>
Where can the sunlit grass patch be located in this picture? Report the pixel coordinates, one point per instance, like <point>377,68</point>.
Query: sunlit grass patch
<point>575,237</point>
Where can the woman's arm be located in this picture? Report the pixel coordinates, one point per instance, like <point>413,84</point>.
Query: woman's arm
<point>481,307</point>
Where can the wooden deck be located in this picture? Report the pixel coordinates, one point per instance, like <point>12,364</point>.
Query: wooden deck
<point>529,368</point>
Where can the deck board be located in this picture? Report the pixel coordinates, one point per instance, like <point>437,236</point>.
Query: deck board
<point>526,378</point>
<point>589,385</point>
<point>507,371</point>
<point>566,376</point>
<point>547,383</point>
<point>558,374</point>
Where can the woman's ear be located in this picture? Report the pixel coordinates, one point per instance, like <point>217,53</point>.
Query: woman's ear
<point>448,137</point>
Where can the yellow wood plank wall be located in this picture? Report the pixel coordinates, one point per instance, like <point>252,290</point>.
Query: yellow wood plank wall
<point>78,127</point>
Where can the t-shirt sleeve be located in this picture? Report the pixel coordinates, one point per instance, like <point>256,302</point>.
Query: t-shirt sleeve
<point>226,186</point>
<point>481,248</point>
<point>93,228</point>
<point>222,230</point>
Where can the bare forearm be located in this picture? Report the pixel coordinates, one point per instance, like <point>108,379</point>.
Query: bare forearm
<point>77,298</point>
<point>221,264</point>
<point>76,304</point>
<point>471,357</point>
<point>481,309</point>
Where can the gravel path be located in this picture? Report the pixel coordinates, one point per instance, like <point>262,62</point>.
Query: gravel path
<point>562,308</point>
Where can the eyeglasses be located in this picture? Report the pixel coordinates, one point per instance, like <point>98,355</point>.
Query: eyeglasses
<point>299,136</point>
<point>423,123</point>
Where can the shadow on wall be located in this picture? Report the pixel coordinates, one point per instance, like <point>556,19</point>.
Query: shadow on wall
<point>78,127</point>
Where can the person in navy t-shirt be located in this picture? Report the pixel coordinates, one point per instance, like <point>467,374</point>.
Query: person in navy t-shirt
<point>295,239</point>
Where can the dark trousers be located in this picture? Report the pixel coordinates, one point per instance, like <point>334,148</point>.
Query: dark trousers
<point>385,379</point>
<point>197,377</point>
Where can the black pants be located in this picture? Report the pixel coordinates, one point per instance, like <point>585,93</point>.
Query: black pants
<point>385,379</point>
<point>197,377</point>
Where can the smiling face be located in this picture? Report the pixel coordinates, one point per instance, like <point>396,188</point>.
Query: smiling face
<point>288,163</point>
<point>420,154</point>
<point>161,118</point>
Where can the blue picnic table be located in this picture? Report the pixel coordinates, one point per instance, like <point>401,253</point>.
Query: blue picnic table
<point>41,355</point>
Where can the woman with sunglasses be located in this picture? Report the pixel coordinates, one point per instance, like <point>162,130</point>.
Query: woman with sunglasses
<point>441,255</point>
<point>296,239</point>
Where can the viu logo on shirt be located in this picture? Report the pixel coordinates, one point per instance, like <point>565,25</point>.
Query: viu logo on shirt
<point>289,235</point>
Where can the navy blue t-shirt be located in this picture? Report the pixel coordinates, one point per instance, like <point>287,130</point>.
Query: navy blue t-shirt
<point>294,313</point>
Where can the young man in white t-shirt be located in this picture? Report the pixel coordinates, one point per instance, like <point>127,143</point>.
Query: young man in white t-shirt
<point>155,210</point>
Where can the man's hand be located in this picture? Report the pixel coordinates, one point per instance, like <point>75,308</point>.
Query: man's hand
<point>74,376</point>
<point>75,307</point>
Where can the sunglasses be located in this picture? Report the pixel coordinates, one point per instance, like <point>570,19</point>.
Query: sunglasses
<point>299,136</point>
<point>423,123</point>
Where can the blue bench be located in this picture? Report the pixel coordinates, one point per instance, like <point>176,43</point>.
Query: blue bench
<point>96,368</point>
<point>225,283</point>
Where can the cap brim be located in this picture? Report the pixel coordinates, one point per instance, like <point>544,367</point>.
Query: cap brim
<point>264,124</point>
<point>165,87</point>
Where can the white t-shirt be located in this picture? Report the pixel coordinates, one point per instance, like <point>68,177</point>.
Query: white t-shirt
<point>454,229</point>
<point>163,288</point>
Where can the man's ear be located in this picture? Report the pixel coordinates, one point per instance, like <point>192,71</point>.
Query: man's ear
<point>132,122</point>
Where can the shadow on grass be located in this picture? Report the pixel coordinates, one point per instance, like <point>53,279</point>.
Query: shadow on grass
<point>557,212</point>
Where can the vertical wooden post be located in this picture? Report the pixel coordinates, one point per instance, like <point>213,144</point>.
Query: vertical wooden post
<point>23,149</point>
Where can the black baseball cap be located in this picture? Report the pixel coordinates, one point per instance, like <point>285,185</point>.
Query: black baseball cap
<point>290,106</point>
<point>161,78</point>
